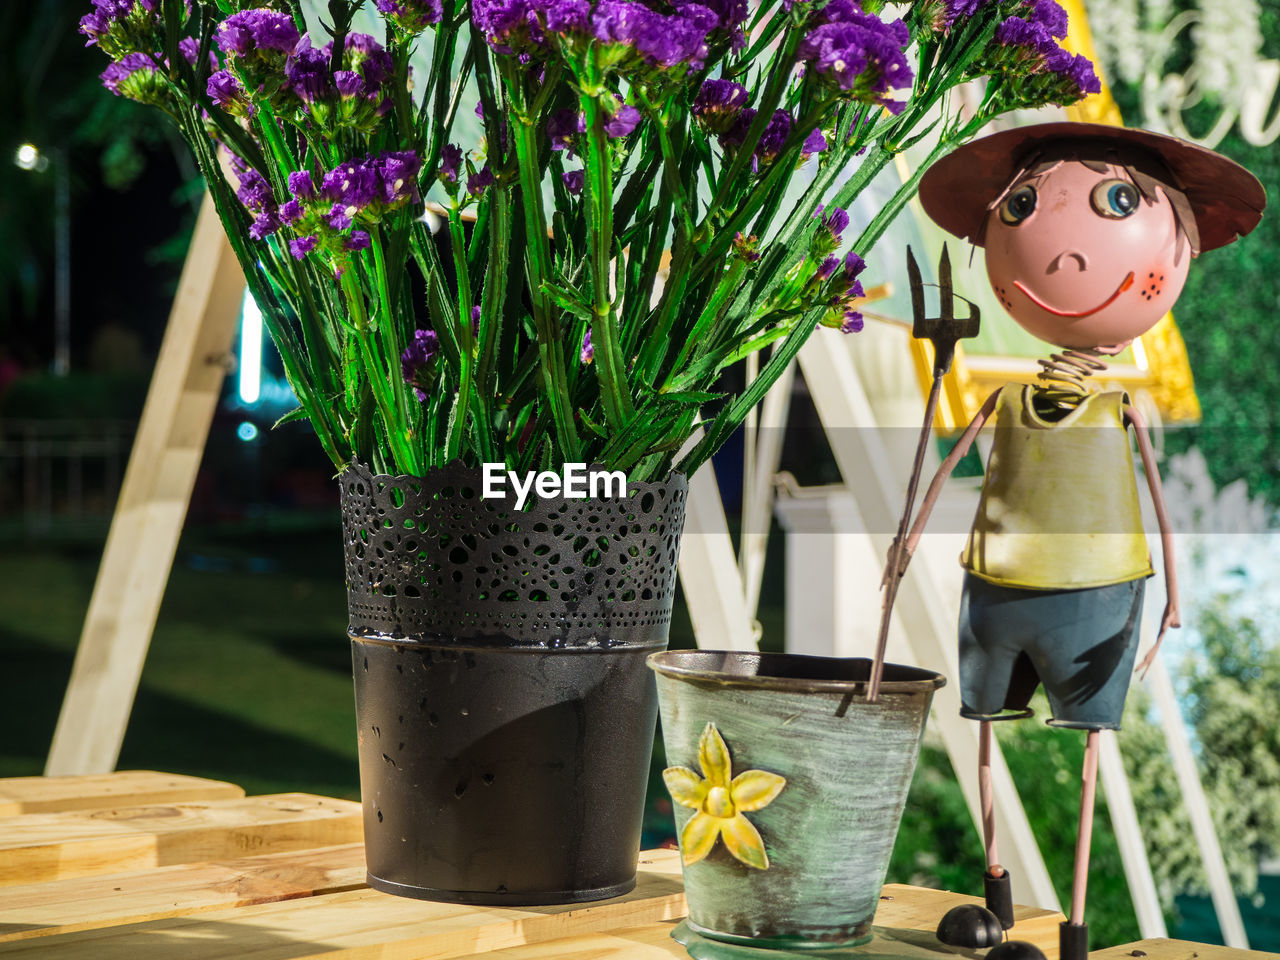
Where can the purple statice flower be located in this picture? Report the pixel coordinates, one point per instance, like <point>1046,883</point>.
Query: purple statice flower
<point>398,175</point>
<point>226,90</point>
<point>729,14</point>
<point>1076,74</point>
<point>301,246</point>
<point>122,27</point>
<point>410,16</point>
<point>563,126</point>
<point>253,31</point>
<point>416,356</point>
<point>306,73</point>
<point>772,139</point>
<point>734,136</point>
<point>624,120</point>
<point>746,247</point>
<point>450,163</point>
<point>826,269</point>
<point>339,216</point>
<point>1048,14</point>
<point>588,352</point>
<point>254,191</point>
<point>134,77</point>
<point>852,321</point>
<point>718,105</point>
<point>266,223</point>
<point>352,184</point>
<point>860,55</point>
<point>477,183</point>
<point>190,49</point>
<point>853,266</point>
<point>1016,32</point>
<point>814,143</point>
<point>510,26</point>
<point>574,181</point>
<point>359,240</point>
<point>835,222</point>
<point>631,30</point>
<point>362,54</point>
<point>475,319</point>
<point>301,184</point>
<point>290,211</point>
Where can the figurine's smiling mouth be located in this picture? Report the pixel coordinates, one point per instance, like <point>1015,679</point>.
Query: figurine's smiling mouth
<point>1125,284</point>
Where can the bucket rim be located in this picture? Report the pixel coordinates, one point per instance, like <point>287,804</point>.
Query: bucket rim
<point>700,665</point>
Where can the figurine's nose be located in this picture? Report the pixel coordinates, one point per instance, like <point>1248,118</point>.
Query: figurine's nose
<point>1064,259</point>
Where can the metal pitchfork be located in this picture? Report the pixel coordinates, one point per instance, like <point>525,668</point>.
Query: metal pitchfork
<point>943,332</point>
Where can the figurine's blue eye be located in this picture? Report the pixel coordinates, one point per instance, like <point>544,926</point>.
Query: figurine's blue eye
<point>1018,205</point>
<point>1115,199</point>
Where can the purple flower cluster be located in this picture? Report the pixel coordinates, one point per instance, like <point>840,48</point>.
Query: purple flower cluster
<point>416,358</point>
<point>259,31</point>
<point>842,309</point>
<point>134,77</point>
<point>718,105</point>
<point>356,94</point>
<point>410,16</point>
<point>450,164</point>
<point>588,352</point>
<point>322,217</point>
<point>1033,68</point>
<point>858,53</point>
<point>574,181</point>
<point>941,15</point>
<point>630,32</point>
<point>563,127</point>
<point>121,27</point>
<point>226,90</point>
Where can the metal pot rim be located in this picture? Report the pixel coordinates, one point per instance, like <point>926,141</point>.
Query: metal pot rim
<point>673,663</point>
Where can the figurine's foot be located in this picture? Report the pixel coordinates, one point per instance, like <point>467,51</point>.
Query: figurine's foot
<point>1073,941</point>
<point>970,925</point>
<point>999,897</point>
<point>1016,950</point>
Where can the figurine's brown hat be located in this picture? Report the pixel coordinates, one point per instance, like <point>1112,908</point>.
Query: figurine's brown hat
<point>957,191</point>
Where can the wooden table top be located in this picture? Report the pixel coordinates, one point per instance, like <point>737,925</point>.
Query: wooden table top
<point>139,865</point>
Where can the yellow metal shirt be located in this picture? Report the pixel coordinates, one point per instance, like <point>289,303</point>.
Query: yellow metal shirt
<point>1059,506</point>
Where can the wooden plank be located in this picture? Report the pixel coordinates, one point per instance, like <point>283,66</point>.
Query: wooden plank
<point>87,903</point>
<point>367,925</point>
<point>41,847</point>
<point>126,787</point>
<point>904,928</point>
<point>1162,948</point>
<point>153,504</point>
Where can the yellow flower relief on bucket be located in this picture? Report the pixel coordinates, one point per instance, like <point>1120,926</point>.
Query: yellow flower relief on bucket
<point>721,803</point>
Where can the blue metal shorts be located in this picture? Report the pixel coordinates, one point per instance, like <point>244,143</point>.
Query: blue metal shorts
<point>1080,644</point>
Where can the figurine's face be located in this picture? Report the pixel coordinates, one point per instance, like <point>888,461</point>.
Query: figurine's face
<point>1080,259</point>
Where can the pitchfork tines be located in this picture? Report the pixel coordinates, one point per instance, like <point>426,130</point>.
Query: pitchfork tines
<point>944,330</point>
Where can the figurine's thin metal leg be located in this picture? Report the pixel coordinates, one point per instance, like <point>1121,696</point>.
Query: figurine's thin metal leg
<point>1084,837</point>
<point>985,793</point>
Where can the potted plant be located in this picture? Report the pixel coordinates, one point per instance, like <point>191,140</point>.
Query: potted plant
<point>532,336</point>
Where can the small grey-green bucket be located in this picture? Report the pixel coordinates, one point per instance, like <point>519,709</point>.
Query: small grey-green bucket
<point>797,785</point>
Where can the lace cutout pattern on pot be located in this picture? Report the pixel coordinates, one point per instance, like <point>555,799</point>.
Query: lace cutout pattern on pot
<point>428,557</point>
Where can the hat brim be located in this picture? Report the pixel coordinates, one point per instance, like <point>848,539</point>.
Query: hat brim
<point>1226,198</point>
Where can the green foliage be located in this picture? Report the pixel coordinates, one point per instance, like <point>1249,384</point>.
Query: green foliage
<point>571,356</point>
<point>1227,315</point>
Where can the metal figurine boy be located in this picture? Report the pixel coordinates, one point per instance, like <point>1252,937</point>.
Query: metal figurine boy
<point>1089,231</point>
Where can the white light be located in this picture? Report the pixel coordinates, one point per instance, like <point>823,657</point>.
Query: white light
<point>250,366</point>
<point>247,431</point>
<point>27,157</point>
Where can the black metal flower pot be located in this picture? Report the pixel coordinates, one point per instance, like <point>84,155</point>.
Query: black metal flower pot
<point>505,714</point>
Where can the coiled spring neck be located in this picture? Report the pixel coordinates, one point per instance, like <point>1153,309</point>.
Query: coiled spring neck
<point>1062,377</point>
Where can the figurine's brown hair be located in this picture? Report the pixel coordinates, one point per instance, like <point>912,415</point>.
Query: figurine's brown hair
<point>1144,169</point>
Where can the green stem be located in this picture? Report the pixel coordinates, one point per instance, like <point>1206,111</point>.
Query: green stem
<point>457,244</point>
<point>551,352</point>
<point>614,392</point>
